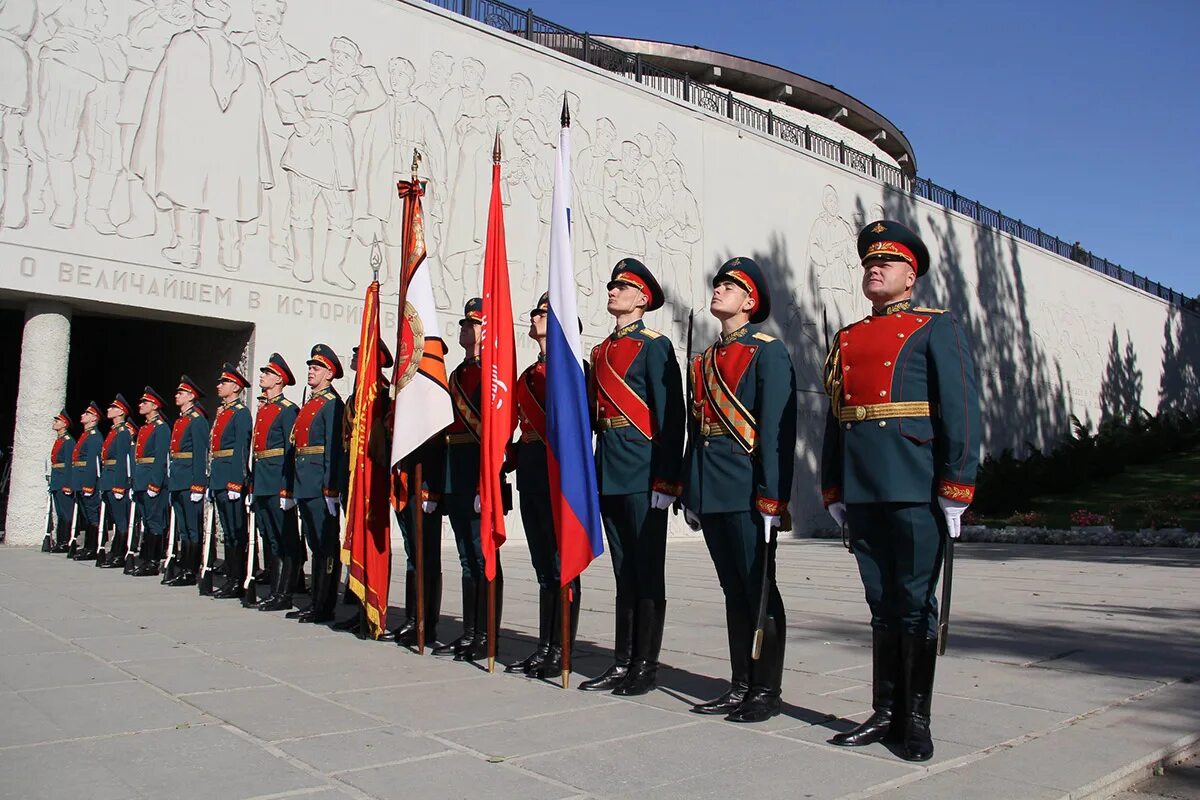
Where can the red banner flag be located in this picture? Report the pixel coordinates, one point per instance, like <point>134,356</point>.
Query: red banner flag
<point>368,547</point>
<point>499,376</point>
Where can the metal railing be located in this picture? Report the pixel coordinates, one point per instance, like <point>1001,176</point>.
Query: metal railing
<point>527,25</point>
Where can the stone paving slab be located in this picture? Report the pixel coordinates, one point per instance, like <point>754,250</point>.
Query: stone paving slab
<point>1066,667</point>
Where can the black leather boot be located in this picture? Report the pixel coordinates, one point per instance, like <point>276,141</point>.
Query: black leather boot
<point>235,573</point>
<point>325,600</point>
<point>766,675</point>
<point>90,537</point>
<point>189,560</point>
<point>886,666</point>
<point>314,590</point>
<point>612,677</point>
<point>479,645</point>
<point>920,657</point>
<point>406,634</point>
<point>61,536</point>
<point>547,606</point>
<point>552,666</point>
<point>643,673</point>
<point>737,630</point>
<point>433,607</point>
<point>470,606</point>
<point>281,596</point>
<point>116,551</point>
<point>148,559</point>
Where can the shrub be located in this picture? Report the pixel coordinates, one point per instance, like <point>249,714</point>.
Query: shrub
<point>1082,518</point>
<point>1027,519</point>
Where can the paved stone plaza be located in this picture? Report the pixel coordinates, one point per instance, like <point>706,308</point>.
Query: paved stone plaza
<point>1069,669</point>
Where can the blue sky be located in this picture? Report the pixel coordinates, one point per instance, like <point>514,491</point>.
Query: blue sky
<point>1082,118</point>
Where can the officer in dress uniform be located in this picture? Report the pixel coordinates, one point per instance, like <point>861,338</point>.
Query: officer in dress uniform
<point>637,398</point>
<point>738,479</point>
<point>60,480</point>
<point>320,468</point>
<point>273,462</point>
<point>461,492</point>
<point>189,477</point>
<point>898,470</point>
<point>116,477</point>
<point>527,455</point>
<point>229,475</point>
<point>85,480</point>
<point>150,479</point>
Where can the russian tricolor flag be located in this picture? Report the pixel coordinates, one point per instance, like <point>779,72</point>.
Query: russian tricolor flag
<point>572,466</point>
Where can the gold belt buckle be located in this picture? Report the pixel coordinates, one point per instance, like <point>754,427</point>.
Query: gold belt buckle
<point>860,413</point>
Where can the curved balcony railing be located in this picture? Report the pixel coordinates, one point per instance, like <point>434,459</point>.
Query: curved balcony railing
<point>526,24</point>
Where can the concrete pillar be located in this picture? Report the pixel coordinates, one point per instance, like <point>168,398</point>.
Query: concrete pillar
<point>41,392</point>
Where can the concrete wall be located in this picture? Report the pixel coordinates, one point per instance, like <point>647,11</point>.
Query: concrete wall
<point>127,150</point>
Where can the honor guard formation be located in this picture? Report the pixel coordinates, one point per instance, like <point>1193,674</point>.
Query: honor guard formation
<point>714,437</point>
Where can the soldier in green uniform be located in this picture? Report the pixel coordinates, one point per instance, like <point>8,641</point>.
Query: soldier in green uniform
<point>738,479</point>
<point>116,476</point>
<point>319,474</point>
<point>229,475</point>
<point>60,481</point>
<point>527,456</point>
<point>85,480</point>
<point>273,461</point>
<point>188,480</point>
<point>150,480</point>
<point>461,492</point>
<point>637,399</point>
<point>898,470</point>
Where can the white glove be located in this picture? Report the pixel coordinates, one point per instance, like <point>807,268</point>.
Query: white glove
<point>770,523</point>
<point>953,510</point>
<point>332,504</point>
<point>287,503</point>
<point>691,519</point>
<point>429,506</point>
<point>250,499</point>
<point>151,493</point>
<point>196,497</point>
<point>478,504</point>
<point>660,501</point>
<point>234,495</point>
<point>88,493</point>
<point>838,512</point>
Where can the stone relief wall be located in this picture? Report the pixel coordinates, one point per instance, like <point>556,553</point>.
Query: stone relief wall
<point>236,160</point>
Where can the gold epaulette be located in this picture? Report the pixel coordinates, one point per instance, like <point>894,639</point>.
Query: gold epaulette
<point>923,310</point>
<point>286,403</point>
<point>763,337</point>
<point>650,334</point>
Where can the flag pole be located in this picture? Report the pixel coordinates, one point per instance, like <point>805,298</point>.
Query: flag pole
<point>491,605</point>
<point>565,601</point>
<point>418,513</point>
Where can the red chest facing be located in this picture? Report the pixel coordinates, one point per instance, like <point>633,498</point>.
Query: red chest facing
<point>305,420</point>
<point>262,425</point>
<point>870,352</point>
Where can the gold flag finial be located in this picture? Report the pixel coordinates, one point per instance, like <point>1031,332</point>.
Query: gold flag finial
<point>376,257</point>
<point>416,165</point>
<point>566,113</point>
<point>496,148</point>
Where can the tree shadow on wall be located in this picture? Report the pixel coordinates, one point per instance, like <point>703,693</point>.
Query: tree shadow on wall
<point>1121,386</point>
<point>1179,386</point>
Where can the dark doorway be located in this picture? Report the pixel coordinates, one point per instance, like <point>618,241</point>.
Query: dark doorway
<point>119,354</point>
<point>12,322</point>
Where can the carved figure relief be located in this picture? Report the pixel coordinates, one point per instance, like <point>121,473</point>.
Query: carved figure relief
<point>17,18</point>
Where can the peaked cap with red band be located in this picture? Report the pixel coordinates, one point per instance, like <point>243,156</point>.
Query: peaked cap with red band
<point>472,312</point>
<point>120,402</point>
<point>188,385</point>
<point>322,355</point>
<point>631,272</point>
<point>746,274</point>
<point>230,373</point>
<point>151,396</point>
<point>891,240</point>
<point>64,418</point>
<point>93,408</point>
<point>277,365</point>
